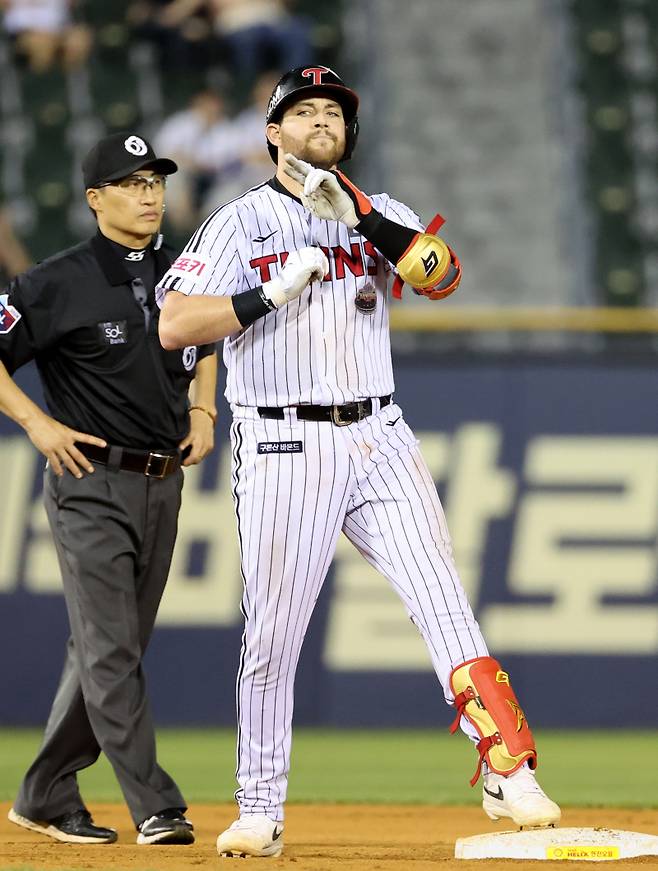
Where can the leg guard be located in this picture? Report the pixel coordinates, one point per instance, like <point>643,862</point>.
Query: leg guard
<point>484,696</point>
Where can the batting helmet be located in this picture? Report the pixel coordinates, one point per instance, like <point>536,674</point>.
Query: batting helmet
<point>304,80</point>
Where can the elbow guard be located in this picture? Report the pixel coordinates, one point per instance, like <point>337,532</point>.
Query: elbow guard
<point>425,262</point>
<point>428,265</point>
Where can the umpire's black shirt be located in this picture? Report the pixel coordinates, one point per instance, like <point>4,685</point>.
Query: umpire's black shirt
<point>103,369</point>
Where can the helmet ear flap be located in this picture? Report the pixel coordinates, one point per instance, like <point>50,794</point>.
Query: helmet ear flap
<point>351,135</point>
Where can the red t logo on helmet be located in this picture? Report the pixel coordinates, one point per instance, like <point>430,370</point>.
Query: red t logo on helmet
<point>315,73</point>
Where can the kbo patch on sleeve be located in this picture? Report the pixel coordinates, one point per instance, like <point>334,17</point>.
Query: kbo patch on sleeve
<point>191,266</point>
<point>9,316</point>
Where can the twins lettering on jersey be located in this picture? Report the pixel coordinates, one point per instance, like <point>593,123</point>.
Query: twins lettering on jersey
<point>361,259</point>
<point>289,356</point>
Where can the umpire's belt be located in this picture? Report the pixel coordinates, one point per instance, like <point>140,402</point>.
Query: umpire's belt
<point>341,415</point>
<point>153,464</point>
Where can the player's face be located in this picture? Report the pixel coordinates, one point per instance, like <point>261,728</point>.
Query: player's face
<point>313,129</point>
<point>130,209</point>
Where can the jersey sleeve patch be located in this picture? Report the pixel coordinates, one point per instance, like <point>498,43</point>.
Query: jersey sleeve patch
<point>9,316</point>
<point>191,266</point>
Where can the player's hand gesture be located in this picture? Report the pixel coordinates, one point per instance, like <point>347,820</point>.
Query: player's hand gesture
<point>301,267</point>
<point>328,195</point>
<point>57,442</point>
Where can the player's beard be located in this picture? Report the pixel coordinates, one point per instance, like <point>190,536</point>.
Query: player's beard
<point>322,158</point>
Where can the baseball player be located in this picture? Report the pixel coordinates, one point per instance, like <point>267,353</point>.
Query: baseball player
<point>293,275</point>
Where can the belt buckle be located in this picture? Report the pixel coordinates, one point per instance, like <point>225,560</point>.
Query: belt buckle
<point>356,413</point>
<point>154,455</point>
<point>337,417</point>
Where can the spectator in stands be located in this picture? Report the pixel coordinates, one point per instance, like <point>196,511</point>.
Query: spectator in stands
<point>183,37</point>
<point>261,35</point>
<point>13,256</point>
<point>202,140</point>
<point>44,32</point>
<point>244,145</point>
<point>258,35</point>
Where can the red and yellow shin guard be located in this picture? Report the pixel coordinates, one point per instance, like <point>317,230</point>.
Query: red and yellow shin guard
<point>484,696</point>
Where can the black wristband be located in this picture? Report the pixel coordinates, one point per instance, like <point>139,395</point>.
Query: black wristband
<point>389,238</point>
<point>251,305</point>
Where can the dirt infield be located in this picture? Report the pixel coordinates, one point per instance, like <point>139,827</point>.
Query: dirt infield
<point>318,838</point>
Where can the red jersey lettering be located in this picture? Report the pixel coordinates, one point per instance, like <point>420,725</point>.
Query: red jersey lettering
<point>371,253</point>
<point>342,259</point>
<point>263,265</point>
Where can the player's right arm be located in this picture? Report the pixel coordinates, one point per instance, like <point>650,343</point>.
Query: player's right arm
<point>196,320</point>
<point>199,294</point>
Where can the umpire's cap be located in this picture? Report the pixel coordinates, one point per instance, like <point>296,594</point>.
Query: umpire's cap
<point>304,80</point>
<point>120,154</point>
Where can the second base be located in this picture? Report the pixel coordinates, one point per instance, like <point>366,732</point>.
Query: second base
<point>582,845</point>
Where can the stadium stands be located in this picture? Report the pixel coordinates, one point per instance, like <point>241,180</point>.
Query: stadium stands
<point>49,120</point>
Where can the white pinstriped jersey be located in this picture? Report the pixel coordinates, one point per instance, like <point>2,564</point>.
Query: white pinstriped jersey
<point>319,348</point>
<point>297,483</point>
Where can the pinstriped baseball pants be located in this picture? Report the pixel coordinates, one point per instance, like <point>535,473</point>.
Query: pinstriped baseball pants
<point>296,486</point>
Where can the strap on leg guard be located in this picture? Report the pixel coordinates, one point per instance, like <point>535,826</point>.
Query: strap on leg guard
<point>484,696</point>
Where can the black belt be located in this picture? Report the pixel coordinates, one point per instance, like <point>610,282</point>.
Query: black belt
<point>341,415</point>
<point>153,464</point>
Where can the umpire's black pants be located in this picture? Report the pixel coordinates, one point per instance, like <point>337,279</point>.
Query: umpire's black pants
<point>114,532</point>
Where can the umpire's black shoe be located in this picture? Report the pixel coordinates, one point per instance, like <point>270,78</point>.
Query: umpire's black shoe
<point>167,827</point>
<point>76,827</point>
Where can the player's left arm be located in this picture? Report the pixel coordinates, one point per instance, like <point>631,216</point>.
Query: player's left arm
<point>422,259</point>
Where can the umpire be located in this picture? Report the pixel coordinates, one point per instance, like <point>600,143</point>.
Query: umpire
<point>120,428</point>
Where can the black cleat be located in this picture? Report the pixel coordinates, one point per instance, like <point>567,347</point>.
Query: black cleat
<point>167,827</point>
<point>76,827</point>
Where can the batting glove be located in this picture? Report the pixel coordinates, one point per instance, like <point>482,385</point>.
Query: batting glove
<point>328,195</point>
<point>301,267</point>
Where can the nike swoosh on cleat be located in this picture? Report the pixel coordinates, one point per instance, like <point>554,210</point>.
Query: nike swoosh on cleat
<point>393,422</point>
<point>276,834</point>
<point>265,238</point>
<point>498,795</point>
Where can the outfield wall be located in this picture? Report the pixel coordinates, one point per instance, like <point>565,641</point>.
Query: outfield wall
<point>548,469</point>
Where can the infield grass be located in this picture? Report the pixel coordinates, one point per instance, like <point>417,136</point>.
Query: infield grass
<point>605,768</point>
